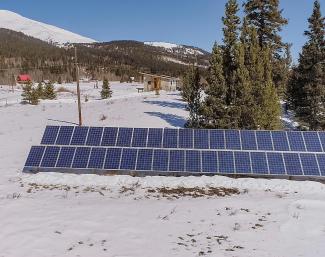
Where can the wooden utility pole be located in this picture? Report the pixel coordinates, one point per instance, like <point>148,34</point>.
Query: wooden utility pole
<point>78,86</point>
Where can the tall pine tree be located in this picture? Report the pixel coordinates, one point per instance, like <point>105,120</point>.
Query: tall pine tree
<point>307,87</point>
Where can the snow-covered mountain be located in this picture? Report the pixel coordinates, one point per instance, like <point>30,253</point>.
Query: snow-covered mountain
<point>45,32</point>
<point>174,48</point>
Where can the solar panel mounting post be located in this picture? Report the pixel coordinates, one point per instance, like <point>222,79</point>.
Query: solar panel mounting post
<point>78,85</point>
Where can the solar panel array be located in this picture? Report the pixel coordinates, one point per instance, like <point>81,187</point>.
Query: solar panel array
<point>185,151</point>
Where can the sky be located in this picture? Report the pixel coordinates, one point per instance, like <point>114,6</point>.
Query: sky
<point>190,22</point>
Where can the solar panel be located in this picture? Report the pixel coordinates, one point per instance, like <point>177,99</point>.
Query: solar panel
<point>242,162</point>
<point>81,157</point>
<point>94,136</point>
<point>193,161</point>
<point>79,136</point>
<point>139,137</point>
<point>280,141</point>
<point>226,162</point>
<point>50,157</point>
<point>217,139</point>
<point>201,139</point>
<point>155,138</point>
<point>185,138</point>
<point>232,140</point>
<point>109,137</point>
<point>64,136</point>
<point>312,142</point>
<point>97,157</point>
<point>248,140</point>
<point>124,137</point>
<point>170,138</point>
<point>264,140</point>
<point>50,134</point>
<point>35,156</point>
<point>144,161</point>
<point>176,160</point>
<point>296,141</point>
<point>185,151</point>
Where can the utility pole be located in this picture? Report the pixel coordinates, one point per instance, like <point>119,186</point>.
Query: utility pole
<point>78,86</point>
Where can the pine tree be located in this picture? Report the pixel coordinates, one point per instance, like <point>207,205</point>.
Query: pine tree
<point>231,30</point>
<point>40,90</point>
<point>106,90</point>
<point>214,110</point>
<point>193,96</point>
<point>307,87</point>
<point>27,91</point>
<point>49,92</point>
<point>34,97</point>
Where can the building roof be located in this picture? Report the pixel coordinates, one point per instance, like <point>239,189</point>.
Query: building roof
<point>24,77</point>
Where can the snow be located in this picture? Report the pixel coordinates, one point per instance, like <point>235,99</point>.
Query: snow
<point>170,47</point>
<point>51,214</point>
<point>42,31</point>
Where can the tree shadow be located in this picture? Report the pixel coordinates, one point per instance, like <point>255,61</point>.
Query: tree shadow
<point>173,120</point>
<point>168,104</point>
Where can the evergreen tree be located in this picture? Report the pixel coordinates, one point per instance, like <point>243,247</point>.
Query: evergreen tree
<point>307,87</point>
<point>49,92</point>
<point>40,90</point>
<point>214,110</point>
<point>193,96</point>
<point>27,91</point>
<point>231,30</point>
<point>34,97</point>
<point>106,90</point>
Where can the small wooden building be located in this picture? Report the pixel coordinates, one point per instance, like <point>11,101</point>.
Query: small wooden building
<point>154,82</point>
<point>24,79</point>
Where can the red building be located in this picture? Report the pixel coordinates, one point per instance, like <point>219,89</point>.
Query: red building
<point>24,78</point>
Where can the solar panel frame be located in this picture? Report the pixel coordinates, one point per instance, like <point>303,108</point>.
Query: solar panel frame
<point>259,163</point>
<point>155,138</point>
<point>185,138</point>
<point>233,141</point>
<point>66,156</point>
<point>309,164</point>
<point>124,137</point>
<point>144,160</point>
<point>140,136</point>
<point>170,138</point>
<point>97,158</point>
<point>276,163</point>
<point>176,160</point>
<point>113,159</point>
<point>64,135</point>
<point>321,135</point>
<point>128,159</point>
<point>94,137</point>
<point>209,162</point>
<point>35,156</point>
<point>264,140</point>
<point>192,161</point>
<point>293,164</point>
<point>217,139</point>
<point>79,136</point>
<point>50,135</point>
<point>280,141</point>
<point>226,162</point>
<point>201,139</point>
<point>50,157</point>
<point>81,157</point>
<point>296,141</point>
<point>312,142</point>
<point>109,137</point>
<point>242,163</point>
<point>248,140</point>
<point>321,163</point>
<point>160,161</point>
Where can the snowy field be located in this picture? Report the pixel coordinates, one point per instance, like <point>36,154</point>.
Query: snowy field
<point>47,215</point>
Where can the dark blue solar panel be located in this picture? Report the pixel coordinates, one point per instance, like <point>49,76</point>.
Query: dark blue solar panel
<point>35,156</point>
<point>296,141</point>
<point>322,139</point>
<point>217,139</point>
<point>176,160</point>
<point>312,142</point>
<point>144,161</point>
<point>50,157</point>
<point>201,139</point>
<point>280,141</point>
<point>226,162</point>
<point>248,140</point>
<point>292,163</point>
<point>232,140</point>
<point>124,137</point>
<point>321,163</point>
<point>259,163</point>
<point>113,159</point>
<point>65,135</point>
<point>170,138</point>
<point>50,135</point>
<point>140,137</point>
<point>65,157</point>
<point>185,138</point>
<point>276,163</point>
<point>96,159</point>
<point>242,163</point>
<point>109,137</point>
<point>129,157</point>
<point>193,161</point>
<point>79,136</point>
<point>309,164</point>
<point>264,140</point>
<point>160,160</point>
<point>94,136</point>
<point>209,162</point>
<point>155,137</point>
<point>81,158</point>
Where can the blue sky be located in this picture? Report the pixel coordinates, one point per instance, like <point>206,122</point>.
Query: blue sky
<point>191,22</point>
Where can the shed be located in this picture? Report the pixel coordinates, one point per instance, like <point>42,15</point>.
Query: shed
<point>23,78</point>
<point>161,82</point>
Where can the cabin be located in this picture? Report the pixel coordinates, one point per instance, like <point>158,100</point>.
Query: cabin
<point>154,82</point>
<point>23,79</point>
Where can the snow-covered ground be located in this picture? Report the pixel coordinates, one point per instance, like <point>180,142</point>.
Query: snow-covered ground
<point>47,215</point>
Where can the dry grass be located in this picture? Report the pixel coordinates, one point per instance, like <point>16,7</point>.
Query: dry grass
<point>64,90</point>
